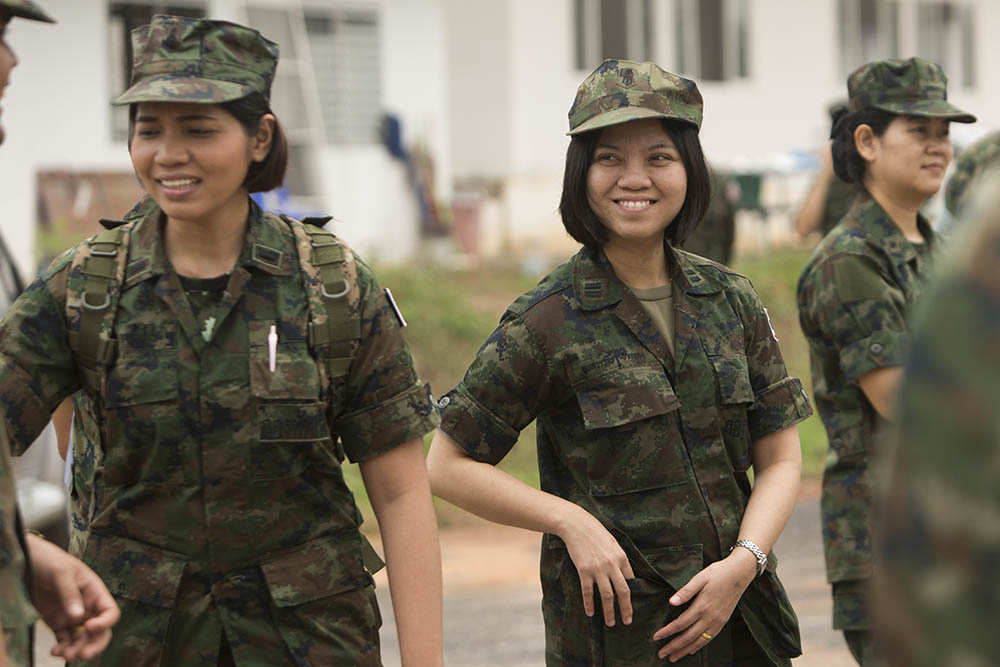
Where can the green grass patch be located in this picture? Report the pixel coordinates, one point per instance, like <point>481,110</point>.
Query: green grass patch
<point>774,275</point>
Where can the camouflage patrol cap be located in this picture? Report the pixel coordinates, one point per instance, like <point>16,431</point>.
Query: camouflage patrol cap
<point>973,162</point>
<point>179,59</point>
<point>26,9</point>
<point>622,90</point>
<point>914,87</point>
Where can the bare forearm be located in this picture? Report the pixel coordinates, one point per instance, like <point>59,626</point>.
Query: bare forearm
<point>777,470</point>
<point>811,213</point>
<point>413,558</point>
<point>881,387</point>
<point>492,494</point>
<point>401,497</point>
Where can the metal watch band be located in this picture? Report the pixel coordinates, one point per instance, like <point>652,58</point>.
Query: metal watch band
<point>757,553</point>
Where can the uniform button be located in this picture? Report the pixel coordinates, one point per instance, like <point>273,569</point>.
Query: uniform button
<point>876,348</point>
<point>444,402</point>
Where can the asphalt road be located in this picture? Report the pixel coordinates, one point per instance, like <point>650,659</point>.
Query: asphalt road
<point>492,615</point>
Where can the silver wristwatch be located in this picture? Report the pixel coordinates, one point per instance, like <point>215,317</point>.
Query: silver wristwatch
<point>757,553</point>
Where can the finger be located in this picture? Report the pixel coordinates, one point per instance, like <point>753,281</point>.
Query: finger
<point>100,604</point>
<point>624,597</point>
<point>687,643</point>
<point>587,589</point>
<point>689,590</point>
<point>607,601</point>
<point>95,646</point>
<point>678,625</point>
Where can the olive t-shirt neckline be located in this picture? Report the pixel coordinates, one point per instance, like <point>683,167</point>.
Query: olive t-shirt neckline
<point>659,303</point>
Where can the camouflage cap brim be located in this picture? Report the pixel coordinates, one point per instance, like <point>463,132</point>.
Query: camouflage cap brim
<point>927,108</point>
<point>624,115</point>
<point>26,9</point>
<point>171,88</point>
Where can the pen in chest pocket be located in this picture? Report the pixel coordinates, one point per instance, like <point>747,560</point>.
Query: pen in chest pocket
<point>272,347</point>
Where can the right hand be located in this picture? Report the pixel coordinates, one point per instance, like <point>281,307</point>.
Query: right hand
<point>600,562</point>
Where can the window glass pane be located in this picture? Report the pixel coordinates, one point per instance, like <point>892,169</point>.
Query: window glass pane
<point>711,40</point>
<point>614,29</point>
<point>579,21</point>
<point>347,67</point>
<point>968,49</point>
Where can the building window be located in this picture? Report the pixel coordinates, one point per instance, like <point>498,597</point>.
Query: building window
<point>869,30</point>
<point>344,45</point>
<point>123,18</point>
<point>612,29</point>
<point>945,35</point>
<point>711,38</point>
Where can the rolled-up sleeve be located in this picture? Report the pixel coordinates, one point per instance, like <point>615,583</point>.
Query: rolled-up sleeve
<point>502,392</point>
<point>779,400</point>
<point>864,315</point>
<point>386,403</point>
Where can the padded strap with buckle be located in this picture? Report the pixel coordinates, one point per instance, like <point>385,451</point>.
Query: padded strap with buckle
<point>336,328</point>
<point>104,271</point>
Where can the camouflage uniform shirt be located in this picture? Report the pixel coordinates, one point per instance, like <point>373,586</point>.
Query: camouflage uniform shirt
<point>854,298</point>
<point>212,487</point>
<point>656,446</point>
<point>16,612</point>
<point>941,540</point>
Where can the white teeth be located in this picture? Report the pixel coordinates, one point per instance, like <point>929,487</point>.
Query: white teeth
<point>180,183</point>
<point>635,204</point>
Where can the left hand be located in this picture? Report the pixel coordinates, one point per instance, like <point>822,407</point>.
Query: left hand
<point>713,593</point>
<point>72,600</point>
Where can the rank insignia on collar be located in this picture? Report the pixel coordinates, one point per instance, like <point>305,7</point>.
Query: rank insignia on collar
<point>593,289</point>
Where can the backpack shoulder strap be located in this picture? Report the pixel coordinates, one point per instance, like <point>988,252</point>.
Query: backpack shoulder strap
<point>331,281</point>
<point>100,264</point>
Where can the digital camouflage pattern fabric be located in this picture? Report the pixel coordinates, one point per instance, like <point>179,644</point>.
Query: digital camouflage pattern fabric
<point>840,195</point>
<point>16,613</point>
<point>211,487</point>
<point>622,90</point>
<point>969,165</point>
<point>26,9</point>
<point>938,602</point>
<point>179,59</point>
<point>656,446</point>
<point>914,87</point>
<point>854,299</point>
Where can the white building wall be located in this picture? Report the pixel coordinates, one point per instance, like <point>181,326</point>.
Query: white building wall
<point>57,116</point>
<point>55,112</point>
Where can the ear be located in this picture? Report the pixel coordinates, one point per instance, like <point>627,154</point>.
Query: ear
<point>865,142</point>
<point>260,143</point>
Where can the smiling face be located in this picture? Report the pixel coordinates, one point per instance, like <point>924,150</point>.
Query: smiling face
<point>193,158</point>
<point>7,61</point>
<point>636,182</point>
<point>911,157</point>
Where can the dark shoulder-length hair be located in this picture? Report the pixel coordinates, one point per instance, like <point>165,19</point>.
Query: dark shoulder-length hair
<point>262,176</point>
<point>579,219</point>
<point>848,164</point>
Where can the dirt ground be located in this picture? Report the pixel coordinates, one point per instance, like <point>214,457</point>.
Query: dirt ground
<point>492,615</point>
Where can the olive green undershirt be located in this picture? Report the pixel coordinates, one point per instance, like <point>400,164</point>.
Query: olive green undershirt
<point>659,303</point>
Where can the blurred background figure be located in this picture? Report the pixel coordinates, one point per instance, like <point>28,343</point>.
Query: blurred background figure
<point>829,197</point>
<point>714,237</point>
<point>855,296</point>
<point>938,586</point>
<point>971,164</point>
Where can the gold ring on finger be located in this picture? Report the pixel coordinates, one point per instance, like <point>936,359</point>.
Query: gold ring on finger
<point>707,636</point>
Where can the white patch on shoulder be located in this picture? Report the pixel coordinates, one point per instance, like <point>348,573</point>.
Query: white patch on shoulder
<point>771,326</point>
